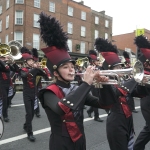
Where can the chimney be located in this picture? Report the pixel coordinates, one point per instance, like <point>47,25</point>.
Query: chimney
<point>81,2</point>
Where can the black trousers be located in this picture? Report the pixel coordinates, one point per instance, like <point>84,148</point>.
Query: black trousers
<point>144,136</point>
<point>58,142</point>
<point>5,101</point>
<point>29,99</point>
<point>143,139</point>
<point>95,110</point>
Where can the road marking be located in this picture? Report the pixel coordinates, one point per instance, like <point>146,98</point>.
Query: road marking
<point>16,138</point>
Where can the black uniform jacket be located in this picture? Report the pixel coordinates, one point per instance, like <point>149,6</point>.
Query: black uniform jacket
<point>61,111</point>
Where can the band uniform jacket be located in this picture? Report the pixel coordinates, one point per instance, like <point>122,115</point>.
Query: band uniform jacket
<point>63,104</point>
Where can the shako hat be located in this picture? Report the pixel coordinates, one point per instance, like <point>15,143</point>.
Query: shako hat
<point>56,39</point>
<point>109,52</point>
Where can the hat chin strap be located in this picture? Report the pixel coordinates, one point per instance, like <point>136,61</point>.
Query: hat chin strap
<point>61,76</point>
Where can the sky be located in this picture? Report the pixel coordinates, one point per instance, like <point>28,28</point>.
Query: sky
<point>128,15</point>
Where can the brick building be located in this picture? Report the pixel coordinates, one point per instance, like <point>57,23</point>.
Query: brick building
<point>126,41</point>
<point>18,21</point>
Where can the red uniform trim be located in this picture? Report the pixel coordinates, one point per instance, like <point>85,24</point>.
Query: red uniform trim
<point>124,104</point>
<point>68,118</point>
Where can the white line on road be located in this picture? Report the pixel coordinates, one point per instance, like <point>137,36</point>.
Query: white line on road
<point>42,131</point>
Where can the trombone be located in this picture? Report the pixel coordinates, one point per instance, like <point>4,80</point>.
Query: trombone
<point>137,72</point>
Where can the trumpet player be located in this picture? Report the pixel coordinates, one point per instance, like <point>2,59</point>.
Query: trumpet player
<point>62,101</point>
<point>144,137</point>
<point>119,126</point>
<point>94,61</point>
<point>28,75</point>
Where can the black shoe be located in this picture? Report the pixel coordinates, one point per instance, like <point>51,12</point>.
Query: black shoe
<point>6,119</point>
<point>38,115</point>
<point>89,114</point>
<point>98,119</point>
<point>84,107</point>
<point>134,111</point>
<point>31,138</point>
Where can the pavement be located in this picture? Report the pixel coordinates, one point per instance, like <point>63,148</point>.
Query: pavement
<point>15,138</point>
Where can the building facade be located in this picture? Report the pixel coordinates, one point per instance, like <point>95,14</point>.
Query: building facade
<point>18,21</point>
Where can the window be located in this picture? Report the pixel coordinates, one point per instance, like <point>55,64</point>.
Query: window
<point>0,9</point>
<point>0,40</point>
<point>70,28</point>
<point>70,11</point>
<point>51,7</point>
<point>96,20</point>
<point>37,3</point>
<point>0,25</point>
<point>82,47</point>
<point>83,15</point>
<point>83,31</point>
<point>19,1</point>
<point>106,23</point>
<point>106,35</point>
<point>70,45</point>
<point>36,18</point>
<point>7,22</point>
<point>18,36</point>
<point>36,41</point>
<point>7,4</point>
<point>6,39</point>
<point>96,34</point>
<point>19,18</point>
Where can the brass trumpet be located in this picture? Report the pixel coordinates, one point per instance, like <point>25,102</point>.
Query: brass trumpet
<point>137,72</point>
<point>43,63</point>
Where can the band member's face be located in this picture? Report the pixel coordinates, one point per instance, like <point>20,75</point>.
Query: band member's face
<point>67,71</point>
<point>2,58</point>
<point>30,62</point>
<point>147,65</point>
<point>96,62</point>
<point>116,68</point>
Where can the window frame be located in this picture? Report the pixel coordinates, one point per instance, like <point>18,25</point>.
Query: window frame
<point>83,32</point>
<point>35,42</point>
<point>6,39</point>
<point>106,36</point>
<point>7,21</point>
<point>96,33</point>
<point>52,8</point>
<point>1,25</point>
<point>83,15</point>
<point>16,1</point>
<point>7,4</point>
<point>69,42</point>
<point>34,21</point>
<point>96,20</point>
<point>18,18</point>
<point>37,4</point>
<point>71,29</point>
<point>81,47</point>
<point>107,23</point>
<point>17,39</point>
<point>1,10</point>
<point>70,13</point>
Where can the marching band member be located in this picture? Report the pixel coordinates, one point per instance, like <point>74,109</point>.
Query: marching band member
<point>144,137</point>
<point>28,75</point>
<point>63,102</point>
<point>119,126</point>
<point>95,91</point>
<point>128,65</point>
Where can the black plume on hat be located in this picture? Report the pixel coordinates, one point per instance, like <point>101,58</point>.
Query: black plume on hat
<point>126,55</point>
<point>25,50</point>
<point>141,42</point>
<point>103,45</point>
<point>35,52</point>
<point>52,32</point>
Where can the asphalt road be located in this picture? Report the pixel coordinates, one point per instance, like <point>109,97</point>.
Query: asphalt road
<point>14,137</point>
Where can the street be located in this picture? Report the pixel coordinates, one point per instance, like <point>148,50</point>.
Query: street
<point>15,138</point>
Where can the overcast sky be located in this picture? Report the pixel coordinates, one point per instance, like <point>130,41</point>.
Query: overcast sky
<point>128,15</point>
